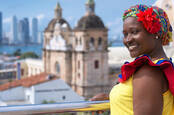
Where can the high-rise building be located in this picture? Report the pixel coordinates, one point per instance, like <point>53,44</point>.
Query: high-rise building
<point>21,32</point>
<point>40,37</point>
<point>14,30</point>
<point>34,30</point>
<point>26,31</point>
<point>0,27</point>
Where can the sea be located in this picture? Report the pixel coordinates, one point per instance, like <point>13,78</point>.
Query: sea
<point>10,49</point>
<point>36,48</point>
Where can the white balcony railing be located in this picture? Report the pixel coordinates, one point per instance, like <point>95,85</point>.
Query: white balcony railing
<point>54,108</point>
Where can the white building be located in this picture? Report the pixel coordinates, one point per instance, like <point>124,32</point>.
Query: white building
<point>37,90</point>
<point>168,7</point>
<point>30,66</point>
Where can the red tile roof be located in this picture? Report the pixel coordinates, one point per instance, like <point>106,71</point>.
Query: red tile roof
<point>28,81</point>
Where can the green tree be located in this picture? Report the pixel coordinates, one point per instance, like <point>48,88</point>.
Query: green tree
<point>17,52</point>
<point>29,55</point>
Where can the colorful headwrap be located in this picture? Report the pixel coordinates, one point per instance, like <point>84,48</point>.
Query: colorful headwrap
<point>154,20</point>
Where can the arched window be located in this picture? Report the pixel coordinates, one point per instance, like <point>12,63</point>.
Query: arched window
<point>92,41</point>
<point>80,40</point>
<point>78,64</point>
<point>57,68</point>
<point>99,41</point>
<point>91,44</point>
<point>96,64</point>
<point>76,41</point>
<point>79,75</point>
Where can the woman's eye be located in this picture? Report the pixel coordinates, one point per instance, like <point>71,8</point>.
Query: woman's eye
<point>134,32</point>
<point>125,34</point>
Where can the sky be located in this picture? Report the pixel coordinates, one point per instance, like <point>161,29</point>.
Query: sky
<point>110,11</point>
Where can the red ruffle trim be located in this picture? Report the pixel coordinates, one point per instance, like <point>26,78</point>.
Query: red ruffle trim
<point>128,69</point>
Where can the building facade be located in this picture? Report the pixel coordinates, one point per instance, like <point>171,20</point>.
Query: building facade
<point>80,55</point>
<point>30,67</point>
<point>1,31</point>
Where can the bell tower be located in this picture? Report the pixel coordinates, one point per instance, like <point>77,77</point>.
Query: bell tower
<point>58,11</point>
<point>90,7</point>
<point>57,47</point>
<point>90,56</point>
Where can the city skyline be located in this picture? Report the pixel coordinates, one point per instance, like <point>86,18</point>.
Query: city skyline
<point>110,12</point>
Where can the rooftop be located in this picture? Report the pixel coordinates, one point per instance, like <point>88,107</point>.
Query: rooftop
<point>28,82</point>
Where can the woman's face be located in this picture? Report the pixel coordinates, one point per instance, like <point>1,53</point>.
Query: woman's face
<point>137,39</point>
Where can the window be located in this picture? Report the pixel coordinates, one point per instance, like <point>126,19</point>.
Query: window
<point>92,41</point>
<point>79,75</point>
<point>63,97</point>
<point>57,68</point>
<point>91,44</point>
<point>76,41</point>
<point>78,64</point>
<point>80,39</point>
<point>168,6</point>
<point>28,97</point>
<point>99,41</point>
<point>96,64</point>
<point>22,72</point>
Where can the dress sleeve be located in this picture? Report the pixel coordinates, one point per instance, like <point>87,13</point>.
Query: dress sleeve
<point>166,66</point>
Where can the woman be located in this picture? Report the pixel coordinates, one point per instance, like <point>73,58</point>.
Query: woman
<point>147,83</point>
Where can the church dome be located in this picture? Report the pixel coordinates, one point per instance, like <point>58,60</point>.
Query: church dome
<point>51,25</point>
<point>90,22</point>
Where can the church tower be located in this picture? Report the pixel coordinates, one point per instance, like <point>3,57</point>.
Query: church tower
<point>57,47</point>
<point>90,56</point>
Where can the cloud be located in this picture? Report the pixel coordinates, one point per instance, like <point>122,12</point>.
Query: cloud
<point>115,27</point>
<point>113,23</point>
<point>7,20</point>
<point>70,18</point>
<point>40,17</point>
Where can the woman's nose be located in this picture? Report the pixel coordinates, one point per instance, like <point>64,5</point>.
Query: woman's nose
<point>128,38</point>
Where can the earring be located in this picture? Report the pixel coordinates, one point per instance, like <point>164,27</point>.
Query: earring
<point>156,37</point>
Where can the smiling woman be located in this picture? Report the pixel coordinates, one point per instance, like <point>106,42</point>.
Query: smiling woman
<point>147,84</point>
<point>146,88</point>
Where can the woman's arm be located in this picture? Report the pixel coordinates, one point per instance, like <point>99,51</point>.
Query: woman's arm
<point>148,87</point>
<point>100,97</point>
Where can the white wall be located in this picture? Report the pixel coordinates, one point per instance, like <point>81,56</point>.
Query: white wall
<point>16,93</point>
<point>55,90</point>
<point>30,95</point>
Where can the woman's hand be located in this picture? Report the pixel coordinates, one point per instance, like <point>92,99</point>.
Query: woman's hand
<point>100,97</point>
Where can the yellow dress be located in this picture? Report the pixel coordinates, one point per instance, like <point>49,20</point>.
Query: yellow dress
<point>121,100</point>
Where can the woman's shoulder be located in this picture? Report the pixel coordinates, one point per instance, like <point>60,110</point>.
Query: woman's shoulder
<point>147,70</point>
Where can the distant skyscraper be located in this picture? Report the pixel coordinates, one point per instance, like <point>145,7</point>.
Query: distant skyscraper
<point>35,30</point>
<point>21,32</point>
<point>40,37</point>
<point>14,30</point>
<point>26,31</point>
<point>0,27</point>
